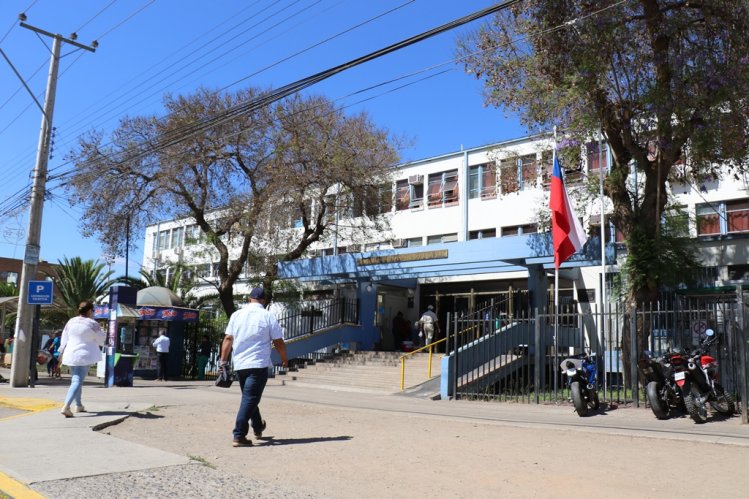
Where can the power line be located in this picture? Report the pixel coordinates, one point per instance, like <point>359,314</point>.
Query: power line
<point>95,16</point>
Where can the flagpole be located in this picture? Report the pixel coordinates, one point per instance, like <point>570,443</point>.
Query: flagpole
<point>556,294</point>
<point>602,332</point>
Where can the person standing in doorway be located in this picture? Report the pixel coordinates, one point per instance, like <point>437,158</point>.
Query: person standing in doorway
<point>79,349</point>
<point>428,325</point>
<point>162,349</point>
<point>204,354</point>
<point>250,333</point>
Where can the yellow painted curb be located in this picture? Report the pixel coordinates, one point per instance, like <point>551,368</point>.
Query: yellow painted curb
<point>16,490</point>
<point>29,404</point>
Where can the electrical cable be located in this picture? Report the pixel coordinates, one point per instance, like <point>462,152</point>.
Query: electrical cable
<point>95,16</point>
<point>332,37</point>
<point>86,119</point>
<point>313,79</point>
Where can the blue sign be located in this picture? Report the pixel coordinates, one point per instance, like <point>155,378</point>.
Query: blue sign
<point>40,293</point>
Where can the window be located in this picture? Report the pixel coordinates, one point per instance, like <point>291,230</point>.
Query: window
<point>482,234</point>
<point>547,167</point>
<point>516,230</point>
<point>737,216</point>
<point>474,182</point>
<point>193,235</point>
<point>9,277</point>
<point>203,270</point>
<point>164,240</point>
<point>482,181</point>
<point>595,160</point>
<point>442,238</point>
<point>738,272</point>
<point>442,189</point>
<point>708,220</point>
<point>508,175</point>
<point>450,188</point>
<point>402,195</point>
<point>529,171</point>
<point>372,200</point>
<point>176,241</point>
<point>414,242</point>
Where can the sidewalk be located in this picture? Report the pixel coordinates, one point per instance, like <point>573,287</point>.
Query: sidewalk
<point>317,435</point>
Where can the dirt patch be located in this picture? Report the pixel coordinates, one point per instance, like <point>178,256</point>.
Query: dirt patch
<point>334,452</point>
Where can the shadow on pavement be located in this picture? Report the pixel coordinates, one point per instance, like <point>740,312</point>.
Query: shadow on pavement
<point>311,440</point>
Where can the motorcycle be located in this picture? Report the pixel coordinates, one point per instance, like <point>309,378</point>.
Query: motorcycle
<point>581,375</point>
<point>663,394</point>
<point>700,383</point>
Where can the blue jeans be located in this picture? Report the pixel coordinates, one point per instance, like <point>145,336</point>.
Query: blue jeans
<point>76,385</point>
<point>252,383</point>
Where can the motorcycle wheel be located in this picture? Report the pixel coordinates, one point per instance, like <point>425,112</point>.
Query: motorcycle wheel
<point>660,408</point>
<point>698,412</point>
<point>724,403</point>
<point>577,398</point>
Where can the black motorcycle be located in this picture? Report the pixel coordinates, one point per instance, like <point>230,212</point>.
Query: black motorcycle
<point>660,386</point>
<point>581,375</point>
<point>700,384</point>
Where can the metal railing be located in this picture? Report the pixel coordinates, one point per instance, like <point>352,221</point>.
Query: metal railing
<point>403,358</point>
<point>318,316</point>
<point>519,360</point>
<point>314,316</point>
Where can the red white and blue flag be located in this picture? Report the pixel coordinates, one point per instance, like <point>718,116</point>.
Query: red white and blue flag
<point>566,231</point>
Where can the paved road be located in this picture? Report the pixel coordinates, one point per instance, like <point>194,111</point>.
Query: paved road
<point>33,433</point>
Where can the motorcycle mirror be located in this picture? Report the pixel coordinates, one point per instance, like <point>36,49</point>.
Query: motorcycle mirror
<point>709,333</point>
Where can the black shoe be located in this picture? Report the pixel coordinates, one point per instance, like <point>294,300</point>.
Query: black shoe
<point>259,433</point>
<point>241,442</point>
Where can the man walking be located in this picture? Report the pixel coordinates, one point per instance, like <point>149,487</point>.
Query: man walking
<point>162,349</point>
<point>250,333</point>
<point>428,325</point>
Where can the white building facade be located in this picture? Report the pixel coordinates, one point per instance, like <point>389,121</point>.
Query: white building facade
<point>501,191</point>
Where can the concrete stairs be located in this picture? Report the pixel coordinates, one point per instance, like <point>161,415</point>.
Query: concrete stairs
<point>372,372</point>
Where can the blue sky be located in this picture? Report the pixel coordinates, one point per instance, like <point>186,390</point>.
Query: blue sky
<point>148,48</point>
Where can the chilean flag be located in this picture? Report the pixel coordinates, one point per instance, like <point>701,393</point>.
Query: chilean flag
<point>566,231</point>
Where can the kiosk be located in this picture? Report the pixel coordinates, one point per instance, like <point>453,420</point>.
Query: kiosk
<point>135,319</point>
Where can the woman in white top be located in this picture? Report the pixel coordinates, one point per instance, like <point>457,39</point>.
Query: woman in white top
<point>79,349</point>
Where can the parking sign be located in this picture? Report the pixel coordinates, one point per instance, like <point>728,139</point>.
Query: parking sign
<point>40,293</point>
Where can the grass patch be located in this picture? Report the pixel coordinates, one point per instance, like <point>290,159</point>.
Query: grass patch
<point>202,461</point>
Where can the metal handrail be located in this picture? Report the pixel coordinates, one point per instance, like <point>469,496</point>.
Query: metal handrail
<point>429,366</point>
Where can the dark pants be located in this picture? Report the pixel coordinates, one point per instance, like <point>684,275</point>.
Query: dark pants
<point>252,383</point>
<point>163,363</point>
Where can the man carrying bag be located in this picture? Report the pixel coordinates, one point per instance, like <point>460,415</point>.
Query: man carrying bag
<point>249,335</point>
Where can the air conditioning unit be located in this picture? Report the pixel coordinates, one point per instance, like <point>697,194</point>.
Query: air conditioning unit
<point>416,179</point>
<point>398,243</point>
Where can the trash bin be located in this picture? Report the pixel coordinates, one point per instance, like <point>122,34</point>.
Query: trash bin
<point>123,369</point>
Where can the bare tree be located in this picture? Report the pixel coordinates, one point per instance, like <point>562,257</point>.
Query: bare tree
<point>242,177</point>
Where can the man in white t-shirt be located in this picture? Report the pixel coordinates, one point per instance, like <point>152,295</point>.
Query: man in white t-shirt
<point>428,325</point>
<point>161,344</point>
<point>250,333</point>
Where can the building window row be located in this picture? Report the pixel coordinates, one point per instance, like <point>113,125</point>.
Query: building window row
<point>725,217</point>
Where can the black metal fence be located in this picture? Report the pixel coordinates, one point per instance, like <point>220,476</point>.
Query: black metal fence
<point>516,356</point>
<point>311,317</point>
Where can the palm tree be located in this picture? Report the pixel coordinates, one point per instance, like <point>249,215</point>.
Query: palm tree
<point>78,280</point>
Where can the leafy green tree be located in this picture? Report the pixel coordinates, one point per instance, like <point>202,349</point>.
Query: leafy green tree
<point>78,280</point>
<point>244,178</point>
<point>664,80</point>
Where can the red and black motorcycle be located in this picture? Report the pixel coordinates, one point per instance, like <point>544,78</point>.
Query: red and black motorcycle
<point>700,383</point>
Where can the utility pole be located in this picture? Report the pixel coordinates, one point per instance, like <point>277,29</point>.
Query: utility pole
<point>24,338</point>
